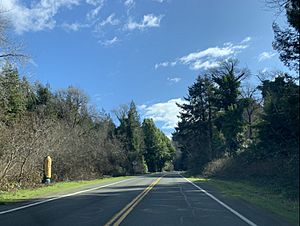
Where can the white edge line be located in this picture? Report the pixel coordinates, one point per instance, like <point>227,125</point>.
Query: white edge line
<point>60,197</point>
<point>222,203</point>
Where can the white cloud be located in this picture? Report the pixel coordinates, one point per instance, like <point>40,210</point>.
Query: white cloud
<point>265,56</point>
<point>38,16</point>
<point>175,80</point>
<point>165,112</point>
<point>208,58</point>
<point>198,64</point>
<point>247,39</point>
<point>94,2</point>
<point>214,52</point>
<point>110,20</point>
<point>149,20</point>
<point>129,3</point>
<point>92,14</point>
<point>165,64</point>
<point>110,42</point>
<point>73,26</point>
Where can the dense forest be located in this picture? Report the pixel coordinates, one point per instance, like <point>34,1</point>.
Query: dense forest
<point>229,130</point>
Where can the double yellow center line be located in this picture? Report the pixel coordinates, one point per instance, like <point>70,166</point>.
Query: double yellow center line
<point>120,216</point>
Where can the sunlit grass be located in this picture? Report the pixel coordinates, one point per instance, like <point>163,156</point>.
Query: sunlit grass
<point>259,195</point>
<point>48,190</point>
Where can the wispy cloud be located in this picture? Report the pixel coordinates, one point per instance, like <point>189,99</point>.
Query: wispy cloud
<point>159,1</point>
<point>265,70</point>
<point>265,56</point>
<point>174,80</point>
<point>149,20</point>
<point>74,26</point>
<point>164,112</point>
<point>110,20</point>
<point>109,42</point>
<point>129,3</point>
<point>94,2</point>
<point>92,14</point>
<point>247,39</point>
<point>208,58</point>
<point>165,64</point>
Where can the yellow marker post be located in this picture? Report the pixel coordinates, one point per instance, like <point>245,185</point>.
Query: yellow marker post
<point>47,169</point>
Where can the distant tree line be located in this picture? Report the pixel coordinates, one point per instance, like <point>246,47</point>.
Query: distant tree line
<point>225,129</point>
<point>84,143</point>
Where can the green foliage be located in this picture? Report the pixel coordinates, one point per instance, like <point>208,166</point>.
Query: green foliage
<point>194,131</point>
<point>158,148</point>
<point>212,119</point>
<point>287,44</point>
<point>13,100</point>
<point>230,105</point>
<point>287,41</point>
<point>130,132</point>
<point>279,129</point>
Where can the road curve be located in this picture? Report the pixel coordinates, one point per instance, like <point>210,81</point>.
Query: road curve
<point>156,199</point>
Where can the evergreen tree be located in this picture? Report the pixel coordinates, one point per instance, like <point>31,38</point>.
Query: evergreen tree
<point>287,41</point>
<point>194,131</point>
<point>279,128</point>
<point>130,133</point>
<point>157,147</point>
<point>30,95</point>
<point>230,107</point>
<point>13,99</point>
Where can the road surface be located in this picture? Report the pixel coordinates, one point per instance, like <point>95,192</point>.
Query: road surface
<point>156,199</point>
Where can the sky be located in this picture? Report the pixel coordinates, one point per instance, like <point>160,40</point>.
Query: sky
<point>148,51</point>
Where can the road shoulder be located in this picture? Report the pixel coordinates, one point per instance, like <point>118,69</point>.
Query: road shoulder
<point>259,215</point>
<point>55,191</point>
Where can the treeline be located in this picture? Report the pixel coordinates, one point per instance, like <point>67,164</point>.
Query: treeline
<point>83,142</point>
<point>238,132</point>
<point>219,119</point>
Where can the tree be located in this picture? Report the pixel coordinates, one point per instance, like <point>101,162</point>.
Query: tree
<point>71,104</point>
<point>194,131</point>
<point>287,41</point>
<point>12,98</point>
<point>251,112</point>
<point>227,99</point>
<point>151,154</point>
<point>287,44</point>
<point>278,131</point>
<point>9,51</point>
<point>130,133</point>
<point>157,147</point>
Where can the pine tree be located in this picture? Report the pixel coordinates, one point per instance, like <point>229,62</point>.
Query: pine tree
<point>157,146</point>
<point>194,131</point>
<point>228,102</point>
<point>130,133</point>
<point>13,100</point>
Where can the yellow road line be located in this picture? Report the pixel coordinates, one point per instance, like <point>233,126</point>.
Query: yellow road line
<point>121,215</point>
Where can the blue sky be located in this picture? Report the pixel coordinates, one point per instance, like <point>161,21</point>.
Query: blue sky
<point>148,51</point>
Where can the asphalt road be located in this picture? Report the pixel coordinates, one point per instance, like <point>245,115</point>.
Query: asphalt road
<point>157,199</point>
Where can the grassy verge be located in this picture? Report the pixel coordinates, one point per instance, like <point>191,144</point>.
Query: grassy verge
<point>261,196</point>
<point>47,190</point>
